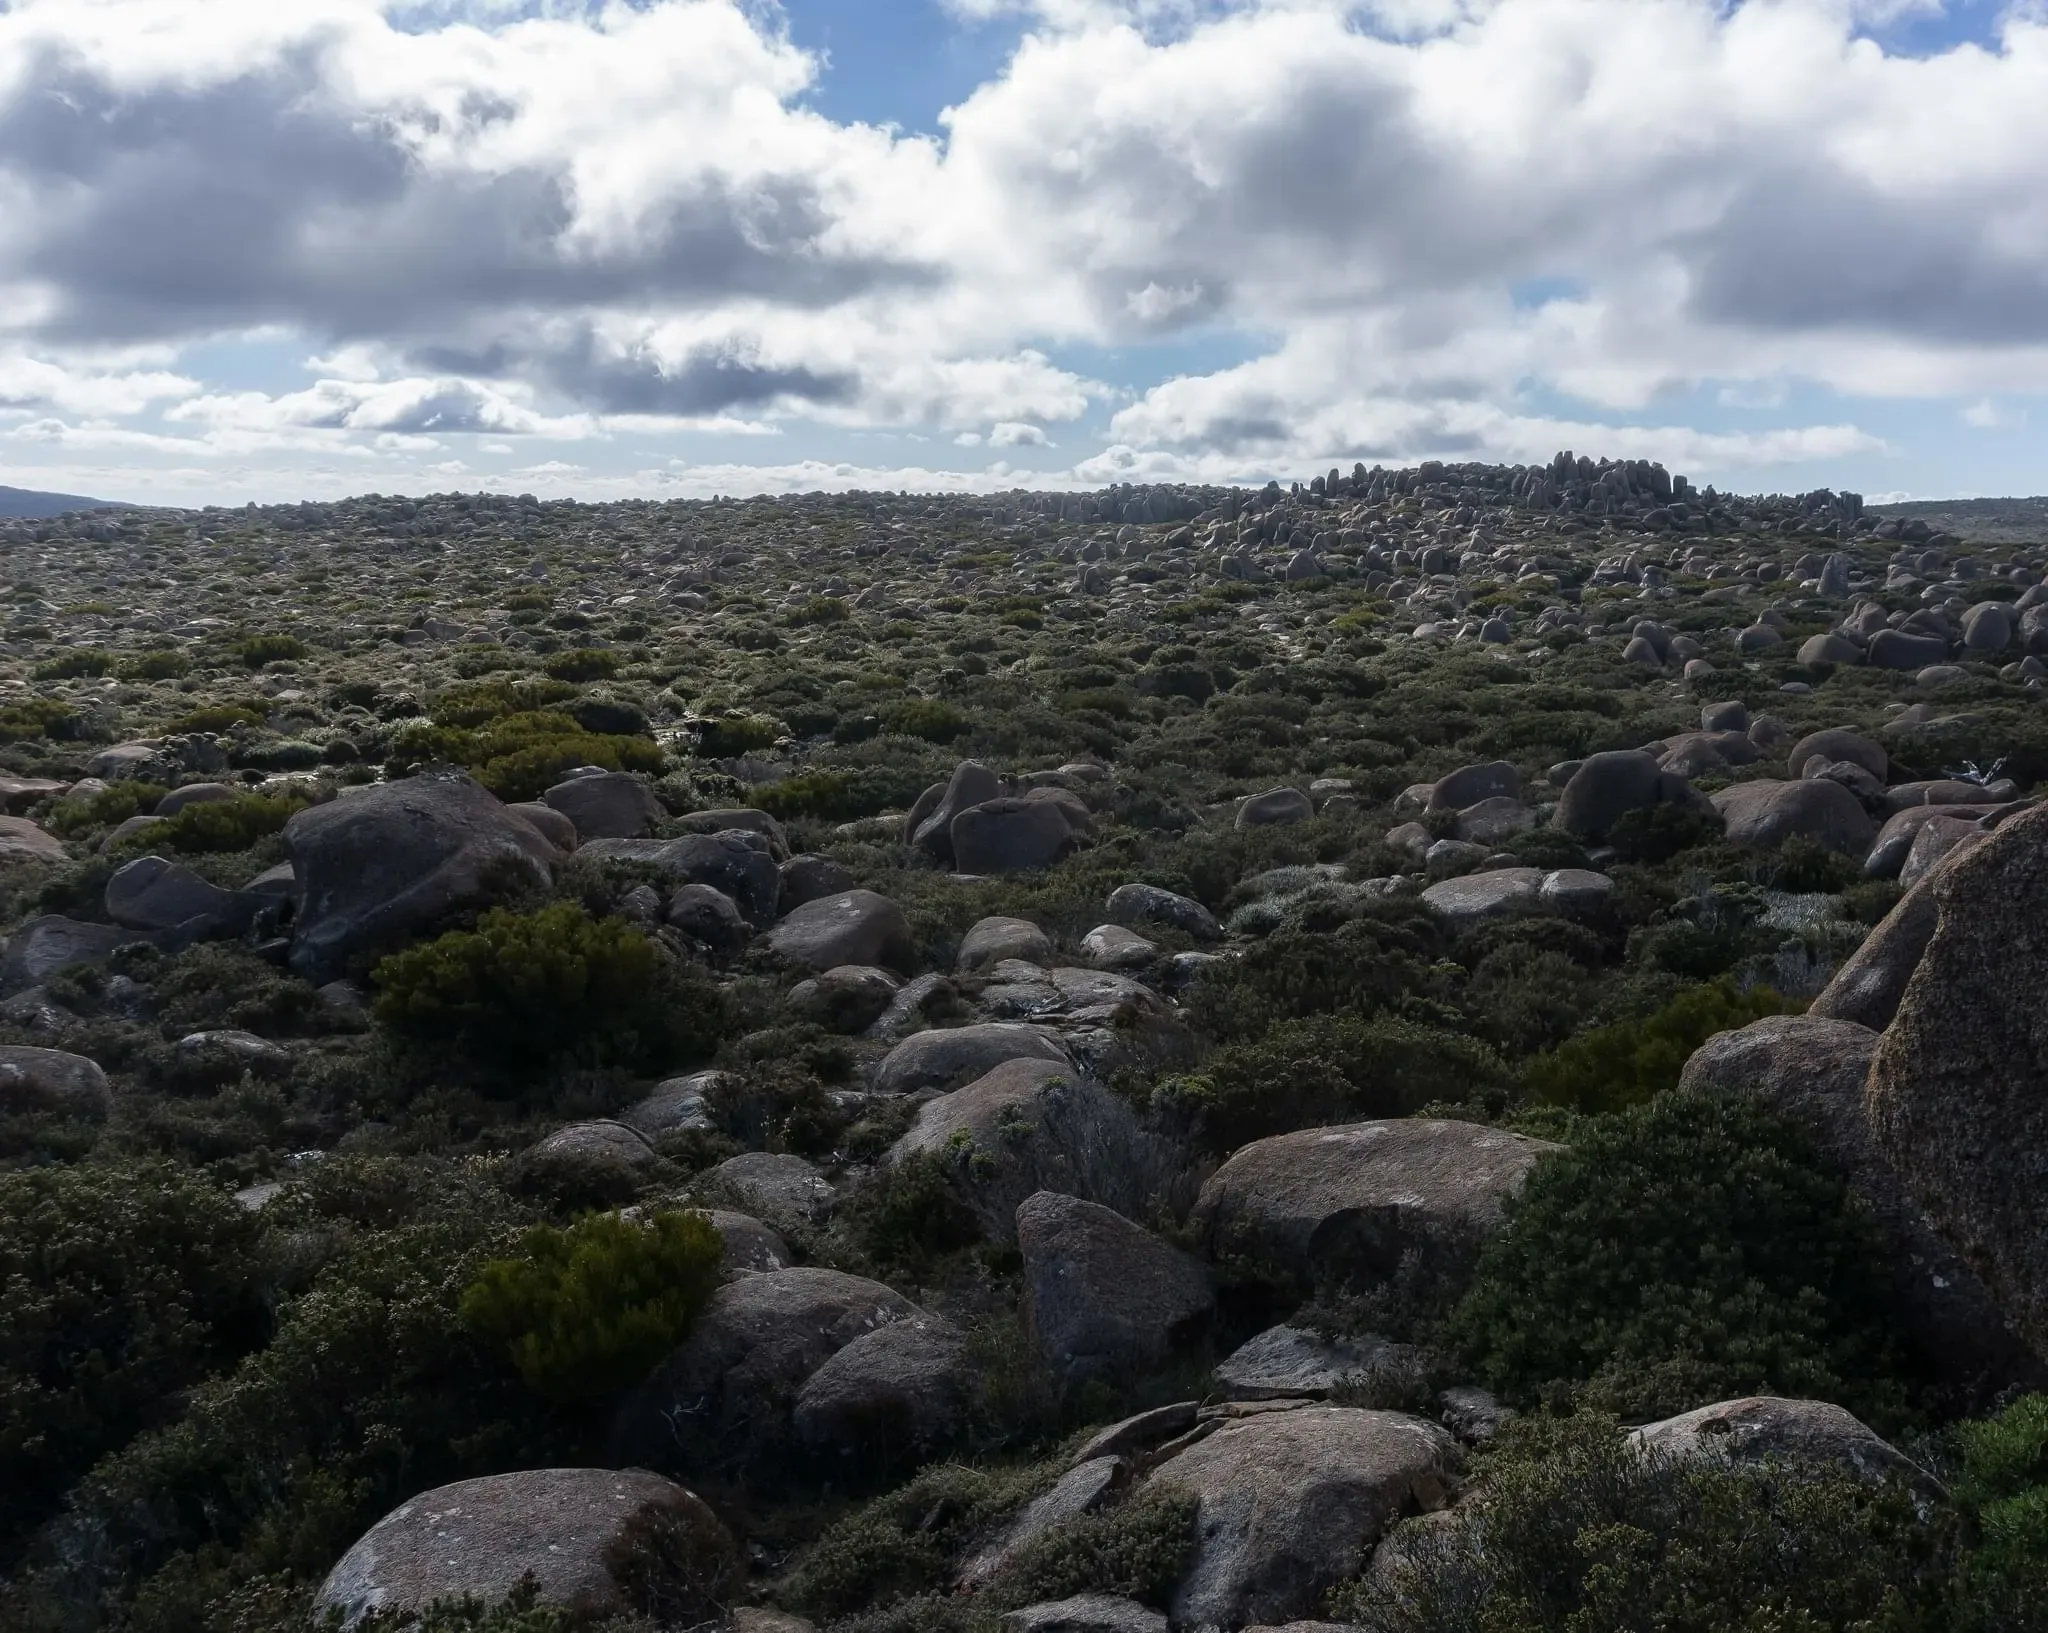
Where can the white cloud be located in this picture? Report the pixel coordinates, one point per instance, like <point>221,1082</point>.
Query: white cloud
<point>580,223</point>
<point>1987,415</point>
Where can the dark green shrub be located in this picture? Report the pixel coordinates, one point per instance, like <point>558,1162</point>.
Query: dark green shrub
<point>2002,1582</point>
<point>521,756</point>
<point>731,735</point>
<point>1659,832</point>
<point>911,1212</point>
<point>1332,1069</point>
<point>906,1542</point>
<point>477,703</point>
<point>1325,960</point>
<point>223,825</point>
<point>1581,1532</point>
<point>258,650</point>
<point>156,666</point>
<point>821,609</point>
<point>526,988</point>
<point>113,805</point>
<point>36,717</point>
<point>120,1285</point>
<point>585,1312</point>
<point>1685,1251</point>
<point>582,664</point>
<point>930,719</point>
<point>370,1391</point>
<point>73,665</point>
<point>1136,1550</point>
<point>216,718</point>
<point>1612,1067</point>
<point>825,794</point>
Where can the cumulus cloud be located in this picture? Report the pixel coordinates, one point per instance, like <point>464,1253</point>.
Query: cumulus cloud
<point>552,219</point>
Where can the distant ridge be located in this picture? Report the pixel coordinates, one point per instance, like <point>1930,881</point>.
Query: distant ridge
<point>25,503</point>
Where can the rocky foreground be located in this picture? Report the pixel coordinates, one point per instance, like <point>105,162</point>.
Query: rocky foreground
<point>1169,1058</point>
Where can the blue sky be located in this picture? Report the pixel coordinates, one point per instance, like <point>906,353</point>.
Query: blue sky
<point>690,246</point>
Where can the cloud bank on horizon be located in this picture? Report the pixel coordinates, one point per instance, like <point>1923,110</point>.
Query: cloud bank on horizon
<point>251,250</point>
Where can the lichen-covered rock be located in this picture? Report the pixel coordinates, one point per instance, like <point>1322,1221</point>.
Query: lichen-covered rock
<point>595,1542</point>
<point>1104,1297</point>
<point>1291,1502</point>
<point>1959,1085</point>
<point>853,927</point>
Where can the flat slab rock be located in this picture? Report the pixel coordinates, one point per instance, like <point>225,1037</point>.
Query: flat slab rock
<point>1293,1362</point>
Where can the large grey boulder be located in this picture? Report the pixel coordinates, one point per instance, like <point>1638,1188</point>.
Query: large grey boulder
<point>373,868</point>
<point>51,943</point>
<point>972,783</point>
<point>734,1381</point>
<point>1811,1070</point>
<point>151,893</point>
<point>1350,1200</point>
<point>734,861</point>
<point>1295,1363</point>
<point>1275,805</point>
<point>1607,786</point>
<point>1467,900</point>
<point>1764,1427</point>
<point>1031,1125</point>
<point>1988,627</point>
<point>778,1186</point>
<point>710,918</point>
<point>1134,905</point>
<point>812,878</point>
<point>899,1392</point>
<point>52,1080</point>
<point>1289,1503</point>
<point>848,998</point>
<point>1836,744</point>
<point>1766,814</point>
<point>740,819</point>
<point>1895,649</point>
<point>607,805</point>
<point>571,1530</point>
<point>22,841</point>
<point>948,1058</point>
<point>853,927</point>
<point>992,940</point>
<point>1868,987</point>
<point>1010,836</point>
<point>1105,1298</point>
<point>1956,1087</point>
<point>1469,785</point>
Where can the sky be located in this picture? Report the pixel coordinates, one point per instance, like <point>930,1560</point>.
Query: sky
<point>272,250</point>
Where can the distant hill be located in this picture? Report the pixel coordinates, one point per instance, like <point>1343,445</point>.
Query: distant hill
<point>1984,521</point>
<point>17,503</point>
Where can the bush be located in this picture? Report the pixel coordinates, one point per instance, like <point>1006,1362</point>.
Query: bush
<point>1323,961</point>
<point>372,1390</point>
<point>927,718</point>
<point>1685,1251</point>
<point>223,825</point>
<point>1332,1069</point>
<point>521,756</point>
<point>585,1312</point>
<point>73,666</point>
<point>582,664</point>
<point>1659,832</point>
<point>216,718</point>
<point>2002,1583</point>
<point>120,1285</point>
<point>1582,1532</point>
<point>259,650</point>
<point>1612,1067</point>
<point>73,818</point>
<point>523,989</point>
<point>731,735</point>
<point>821,609</point>
<point>156,666</point>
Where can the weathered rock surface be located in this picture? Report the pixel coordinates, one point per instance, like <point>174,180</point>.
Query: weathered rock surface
<point>854,927</point>
<point>570,1529</point>
<point>1031,1125</point>
<point>1290,1503</point>
<point>1956,1088</point>
<point>1769,1426</point>
<point>949,1058</point>
<point>52,1080</point>
<point>1104,1297</point>
<point>1351,1199</point>
<point>374,867</point>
